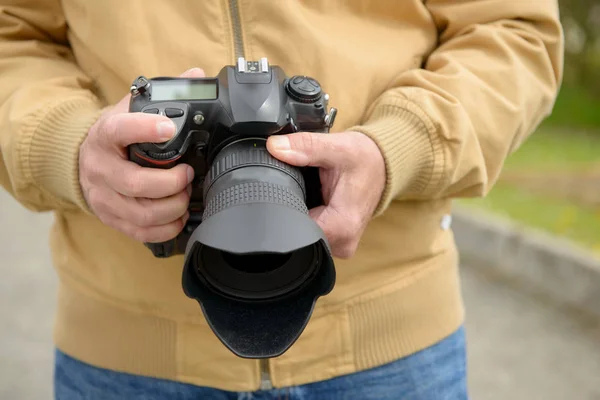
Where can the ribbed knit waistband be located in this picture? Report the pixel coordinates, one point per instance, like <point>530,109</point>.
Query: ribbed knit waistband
<point>367,331</point>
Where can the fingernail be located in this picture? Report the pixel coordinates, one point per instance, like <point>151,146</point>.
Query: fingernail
<point>165,129</point>
<point>280,143</point>
<point>190,174</point>
<point>193,71</point>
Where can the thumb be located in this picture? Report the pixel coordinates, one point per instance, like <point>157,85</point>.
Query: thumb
<point>193,73</point>
<point>303,149</point>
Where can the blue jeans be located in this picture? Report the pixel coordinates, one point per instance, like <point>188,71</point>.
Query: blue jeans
<point>436,373</point>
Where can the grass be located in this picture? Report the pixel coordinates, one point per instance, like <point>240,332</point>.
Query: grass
<point>556,216</point>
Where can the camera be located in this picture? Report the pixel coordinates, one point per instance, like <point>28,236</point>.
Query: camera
<point>253,258</point>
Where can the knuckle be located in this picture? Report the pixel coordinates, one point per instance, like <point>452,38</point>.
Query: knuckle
<point>347,250</point>
<point>139,234</point>
<point>96,198</point>
<point>301,141</point>
<point>346,236</point>
<point>182,201</point>
<point>340,253</point>
<point>109,126</point>
<point>105,216</point>
<point>180,178</point>
<point>306,140</point>
<point>346,244</point>
<point>165,233</point>
<point>89,168</point>
<point>178,226</point>
<point>349,229</point>
<point>175,228</point>
<point>106,220</point>
<point>133,184</point>
<point>157,234</point>
<point>144,216</point>
<point>94,131</point>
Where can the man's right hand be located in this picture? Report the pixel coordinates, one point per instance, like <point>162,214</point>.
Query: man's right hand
<point>147,204</point>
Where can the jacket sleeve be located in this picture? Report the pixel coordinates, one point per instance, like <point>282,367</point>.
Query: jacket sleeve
<point>46,106</point>
<point>445,129</point>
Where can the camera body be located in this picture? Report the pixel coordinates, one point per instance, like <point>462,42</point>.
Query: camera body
<point>251,99</point>
<point>254,259</point>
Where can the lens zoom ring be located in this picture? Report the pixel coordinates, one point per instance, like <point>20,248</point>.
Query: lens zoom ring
<point>254,192</point>
<point>253,156</point>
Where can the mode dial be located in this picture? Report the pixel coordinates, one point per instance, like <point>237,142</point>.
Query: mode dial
<point>303,89</point>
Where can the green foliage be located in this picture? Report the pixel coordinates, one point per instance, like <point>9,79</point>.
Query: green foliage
<point>556,150</point>
<point>575,108</point>
<point>581,23</point>
<point>552,215</point>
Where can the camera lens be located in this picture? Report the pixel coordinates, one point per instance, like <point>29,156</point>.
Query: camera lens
<point>257,262</point>
<point>244,174</point>
<point>256,276</point>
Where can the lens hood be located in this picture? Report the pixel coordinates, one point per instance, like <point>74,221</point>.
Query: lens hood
<point>258,305</point>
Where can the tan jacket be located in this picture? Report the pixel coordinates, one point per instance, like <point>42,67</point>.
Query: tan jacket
<point>446,88</point>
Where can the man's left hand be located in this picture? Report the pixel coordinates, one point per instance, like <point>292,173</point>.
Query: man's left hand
<point>352,172</point>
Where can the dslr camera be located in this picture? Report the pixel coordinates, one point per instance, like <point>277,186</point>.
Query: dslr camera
<point>253,259</point>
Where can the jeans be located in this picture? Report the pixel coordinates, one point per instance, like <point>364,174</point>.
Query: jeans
<point>436,373</point>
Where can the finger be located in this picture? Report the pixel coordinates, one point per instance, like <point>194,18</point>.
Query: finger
<point>131,180</point>
<point>311,149</point>
<point>154,212</point>
<point>123,129</point>
<point>342,231</point>
<point>193,73</point>
<point>143,212</point>
<point>316,215</point>
<point>334,229</point>
<point>152,234</point>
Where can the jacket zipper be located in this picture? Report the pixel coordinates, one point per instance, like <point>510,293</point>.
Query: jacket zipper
<point>238,43</point>
<point>265,375</point>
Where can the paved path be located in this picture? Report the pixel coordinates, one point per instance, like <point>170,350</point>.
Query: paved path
<point>520,347</point>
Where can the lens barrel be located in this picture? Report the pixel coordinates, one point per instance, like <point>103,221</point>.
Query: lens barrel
<point>257,262</point>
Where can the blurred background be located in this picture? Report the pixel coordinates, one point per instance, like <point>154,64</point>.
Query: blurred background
<point>525,342</point>
<point>553,180</point>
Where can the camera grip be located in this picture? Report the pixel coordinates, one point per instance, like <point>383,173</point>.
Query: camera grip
<point>143,159</point>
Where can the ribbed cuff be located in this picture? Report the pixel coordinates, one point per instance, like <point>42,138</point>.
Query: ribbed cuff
<point>413,154</point>
<point>53,159</point>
